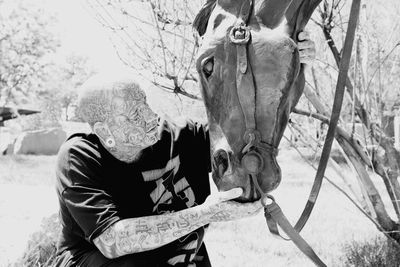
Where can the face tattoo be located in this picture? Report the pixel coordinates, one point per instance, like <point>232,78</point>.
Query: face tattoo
<point>133,123</point>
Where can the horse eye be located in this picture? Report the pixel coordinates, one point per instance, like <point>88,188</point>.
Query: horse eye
<point>208,67</point>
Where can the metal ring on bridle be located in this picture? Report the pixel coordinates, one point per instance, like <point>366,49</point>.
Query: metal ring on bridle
<point>251,136</point>
<point>252,162</point>
<point>267,200</point>
<point>239,34</point>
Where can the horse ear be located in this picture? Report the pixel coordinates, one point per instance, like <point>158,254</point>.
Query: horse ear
<point>272,12</point>
<point>298,14</point>
<point>201,20</point>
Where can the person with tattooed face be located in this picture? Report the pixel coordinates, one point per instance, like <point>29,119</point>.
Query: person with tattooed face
<point>135,191</point>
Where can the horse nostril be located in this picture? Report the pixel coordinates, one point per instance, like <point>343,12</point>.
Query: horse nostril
<point>221,161</point>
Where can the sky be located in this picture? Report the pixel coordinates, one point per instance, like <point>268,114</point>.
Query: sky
<point>81,34</point>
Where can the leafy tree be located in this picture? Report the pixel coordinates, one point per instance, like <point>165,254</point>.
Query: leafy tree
<point>69,76</point>
<point>57,97</point>
<point>25,43</point>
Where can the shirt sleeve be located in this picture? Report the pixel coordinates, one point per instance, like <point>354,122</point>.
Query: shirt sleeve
<point>89,204</point>
<point>200,140</point>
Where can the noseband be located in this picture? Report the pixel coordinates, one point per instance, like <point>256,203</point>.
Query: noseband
<point>240,35</point>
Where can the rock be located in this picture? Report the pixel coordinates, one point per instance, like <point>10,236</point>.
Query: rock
<point>9,149</point>
<point>40,142</point>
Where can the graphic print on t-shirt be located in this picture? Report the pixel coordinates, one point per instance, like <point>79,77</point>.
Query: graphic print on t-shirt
<point>172,191</point>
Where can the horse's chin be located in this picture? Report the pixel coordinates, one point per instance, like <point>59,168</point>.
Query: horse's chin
<point>253,185</point>
<point>247,199</point>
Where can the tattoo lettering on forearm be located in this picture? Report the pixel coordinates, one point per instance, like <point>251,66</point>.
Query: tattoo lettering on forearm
<point>124,245</point>
<point>163,227</point>
<point>143,228</point>
<point>185,222</point>
<point>221,216</point>
<point>108,238</point>
<point>146,233</point>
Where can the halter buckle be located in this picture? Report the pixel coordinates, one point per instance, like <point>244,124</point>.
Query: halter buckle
<point>239,34</point>
<point>252,136</point>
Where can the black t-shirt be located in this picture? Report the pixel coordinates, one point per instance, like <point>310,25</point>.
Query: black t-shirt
<point>96,190</point>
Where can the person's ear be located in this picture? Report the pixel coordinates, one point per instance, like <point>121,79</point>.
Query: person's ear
<point>103,132</point>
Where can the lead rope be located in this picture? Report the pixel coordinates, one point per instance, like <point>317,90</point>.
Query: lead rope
<point>336,108</point>
<point>274,217</point>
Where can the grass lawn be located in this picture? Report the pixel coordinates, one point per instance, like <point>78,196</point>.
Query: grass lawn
<point>27,170</point>
<point>27,195</point>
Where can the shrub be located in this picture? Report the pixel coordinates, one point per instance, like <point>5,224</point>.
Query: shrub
<point>41,248</point>
<point>380,252</point>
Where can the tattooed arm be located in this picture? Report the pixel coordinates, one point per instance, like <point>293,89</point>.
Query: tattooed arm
<point>146,233</point>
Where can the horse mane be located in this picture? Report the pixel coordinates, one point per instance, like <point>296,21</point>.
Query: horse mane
<point>201,20</point>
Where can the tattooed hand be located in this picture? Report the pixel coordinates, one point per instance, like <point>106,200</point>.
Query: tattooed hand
<point>219,206</point>
<point>135,235</point>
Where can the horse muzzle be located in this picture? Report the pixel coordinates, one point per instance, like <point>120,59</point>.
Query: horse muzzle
<point>256,171</point>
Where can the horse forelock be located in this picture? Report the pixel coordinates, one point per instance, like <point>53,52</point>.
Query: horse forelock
<point>201,20</point>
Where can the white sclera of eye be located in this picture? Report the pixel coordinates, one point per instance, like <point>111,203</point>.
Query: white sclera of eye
<point>209,66</point>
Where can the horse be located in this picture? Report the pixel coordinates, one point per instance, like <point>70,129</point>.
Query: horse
<point>250,79</point>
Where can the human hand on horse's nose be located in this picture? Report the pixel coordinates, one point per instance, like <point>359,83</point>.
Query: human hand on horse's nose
<point>219,207</point>
<point>216,198</point>
<point>306,48</point>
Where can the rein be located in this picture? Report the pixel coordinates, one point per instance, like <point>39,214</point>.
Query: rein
<point>251,160</point>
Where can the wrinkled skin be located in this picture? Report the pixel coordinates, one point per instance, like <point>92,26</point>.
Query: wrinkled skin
<point>274,60</point>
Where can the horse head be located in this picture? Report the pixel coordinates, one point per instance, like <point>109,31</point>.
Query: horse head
<point>251,79</point>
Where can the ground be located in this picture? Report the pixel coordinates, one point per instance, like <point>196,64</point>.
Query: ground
<point>22,209</point>
<point>27,195</point>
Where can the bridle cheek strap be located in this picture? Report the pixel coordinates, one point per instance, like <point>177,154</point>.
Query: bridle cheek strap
<point>240,36</point>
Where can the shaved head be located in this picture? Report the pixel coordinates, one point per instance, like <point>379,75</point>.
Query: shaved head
<point>95,100</point>
<point>116,109</point>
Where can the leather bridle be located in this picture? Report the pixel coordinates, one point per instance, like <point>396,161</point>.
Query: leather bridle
<point>240,35</point>
<point>251,159</point>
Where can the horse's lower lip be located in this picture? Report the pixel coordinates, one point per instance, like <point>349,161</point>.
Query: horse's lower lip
<point>250,194</point>
<point>242,199</point>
